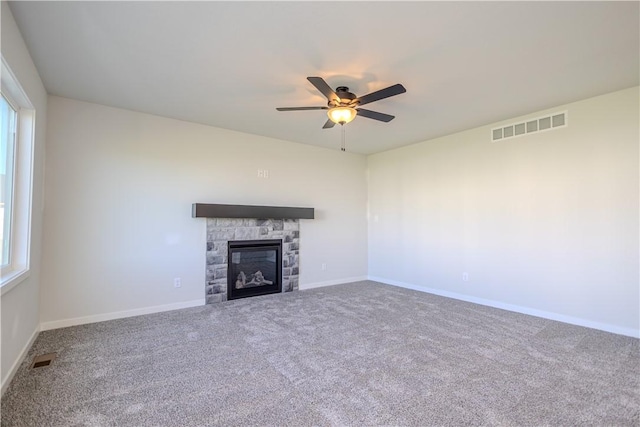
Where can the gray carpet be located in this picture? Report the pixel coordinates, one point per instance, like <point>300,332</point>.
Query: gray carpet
<point>355,354</point>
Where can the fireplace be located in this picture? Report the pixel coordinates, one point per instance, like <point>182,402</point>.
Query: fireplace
<point>221,231</point>
<point>254,268</point>
<point>250,224</point>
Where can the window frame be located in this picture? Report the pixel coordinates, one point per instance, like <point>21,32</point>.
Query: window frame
<point>19,267</point>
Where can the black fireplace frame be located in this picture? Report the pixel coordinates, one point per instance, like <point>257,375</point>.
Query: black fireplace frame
<point>258,245</point>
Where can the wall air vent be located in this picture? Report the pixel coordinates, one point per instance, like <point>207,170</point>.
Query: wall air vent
<point>539,124</point>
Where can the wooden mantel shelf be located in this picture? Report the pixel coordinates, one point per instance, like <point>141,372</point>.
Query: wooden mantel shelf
<point>203,210</point>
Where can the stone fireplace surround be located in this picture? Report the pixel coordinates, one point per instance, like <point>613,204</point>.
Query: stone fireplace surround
<point>220,230</point>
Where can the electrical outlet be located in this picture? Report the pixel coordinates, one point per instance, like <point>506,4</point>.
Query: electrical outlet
<point>324,266</point>
<point>465,277</point>
<point>266,173</point>
<point>177,282</point>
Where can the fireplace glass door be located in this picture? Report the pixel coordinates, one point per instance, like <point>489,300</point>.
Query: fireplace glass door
<point>255,268</point>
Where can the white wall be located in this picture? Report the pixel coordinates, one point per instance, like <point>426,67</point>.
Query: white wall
<point>19,306</point>
<point>545,224</point>
<point>119,190</point>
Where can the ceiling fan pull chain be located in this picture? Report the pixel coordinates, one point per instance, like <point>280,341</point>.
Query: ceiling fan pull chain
<point>342,139</point>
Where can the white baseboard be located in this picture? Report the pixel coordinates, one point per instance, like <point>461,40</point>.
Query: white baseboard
<point>45,326</point>
<point>14,368</point>
<point>630,332</point>
<point>304,286</point>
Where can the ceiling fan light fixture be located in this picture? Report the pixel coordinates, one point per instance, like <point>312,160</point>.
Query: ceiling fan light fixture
<point>342,115</point>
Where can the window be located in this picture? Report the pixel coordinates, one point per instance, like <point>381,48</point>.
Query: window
<point>17,119</point>
<point>7,149</point>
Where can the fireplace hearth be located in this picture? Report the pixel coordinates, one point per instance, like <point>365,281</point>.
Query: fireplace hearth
<point>254,268</point>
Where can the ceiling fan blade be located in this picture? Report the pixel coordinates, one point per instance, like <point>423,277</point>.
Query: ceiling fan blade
<point>323,87</point>
<point>328,124</point>
<point>396,89</point>
<point>301,108</point>
<point>375,115</point>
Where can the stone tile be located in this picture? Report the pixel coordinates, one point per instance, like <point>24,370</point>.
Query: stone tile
<point>220,273</point>
<point>278,224</point>
<point>247,233</point>
<point>213,259</point>
<point>289,247</point>
<point>230,222</point>
<point>291,224</point>
<point>221,247</point>
<point>209,273</point>
<point>220,234</point>
<point>291,259</point>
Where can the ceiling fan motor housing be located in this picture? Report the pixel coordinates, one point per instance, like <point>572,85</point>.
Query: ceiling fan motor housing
<point>345,96</point>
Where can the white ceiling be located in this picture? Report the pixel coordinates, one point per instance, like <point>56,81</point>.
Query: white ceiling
<point>230,64</point>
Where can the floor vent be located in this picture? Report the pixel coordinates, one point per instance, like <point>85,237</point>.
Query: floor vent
<point>539,124</point>
<point>43,360</point>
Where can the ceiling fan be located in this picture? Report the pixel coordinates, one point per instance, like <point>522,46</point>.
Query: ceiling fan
<point>343,106</point>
